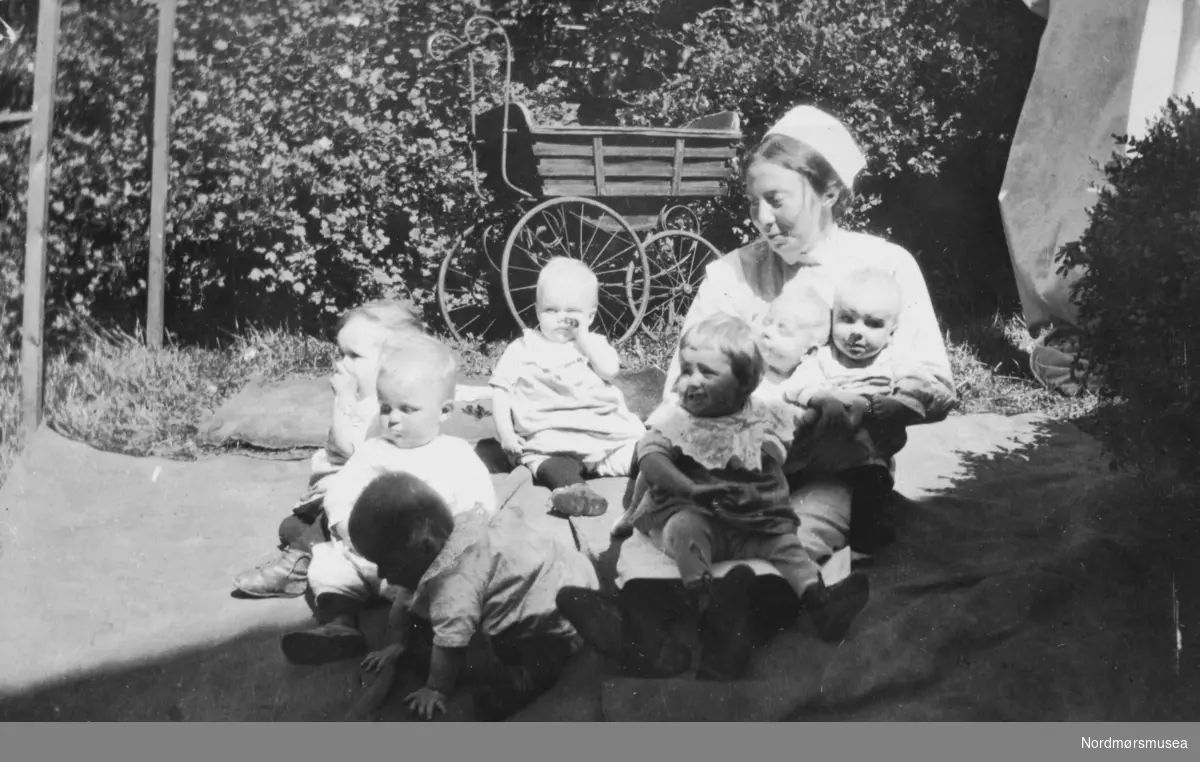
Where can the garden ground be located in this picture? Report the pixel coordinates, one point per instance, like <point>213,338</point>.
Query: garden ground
<point>1019,541</point>
<point>111,392</point>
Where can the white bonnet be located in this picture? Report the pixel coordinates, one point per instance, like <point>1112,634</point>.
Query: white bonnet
<point>827,136</point>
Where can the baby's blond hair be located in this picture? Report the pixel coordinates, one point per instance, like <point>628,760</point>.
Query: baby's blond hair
<point>803,302</point>
<point>880,284</point>
<point>418,353</point>
<point>560,269</point>
<point>393,315</point>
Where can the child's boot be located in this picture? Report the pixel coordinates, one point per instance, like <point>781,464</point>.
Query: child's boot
<point>335,638</point>
<point>834,608</point>
<point>641,647</point>
<point>504,693</point>
<point>323,644</point>
<point>725,641</point>
<point>285,576</point>
<point>577,500</point>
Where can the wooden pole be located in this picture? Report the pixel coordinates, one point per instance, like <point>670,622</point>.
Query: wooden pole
<point>33,328</point>
<point>159,181</point>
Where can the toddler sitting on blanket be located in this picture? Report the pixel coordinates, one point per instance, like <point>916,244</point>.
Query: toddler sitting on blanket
<point>462,573</point>
<point>361,335</point>
<point>416,392</point>
<point>556,409</point>
<point>715,490</point>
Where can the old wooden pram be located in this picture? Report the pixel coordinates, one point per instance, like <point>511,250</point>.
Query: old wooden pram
<point>616,198</point>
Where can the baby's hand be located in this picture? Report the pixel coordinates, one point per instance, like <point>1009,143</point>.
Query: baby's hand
<point>856,409</point>
<point>425,702</point>
<point>711,494</point>
<point>344,385</point>
<point>579,335</point>
<point>377,660</point>
<point>513,447</point>
<point>835,416</point>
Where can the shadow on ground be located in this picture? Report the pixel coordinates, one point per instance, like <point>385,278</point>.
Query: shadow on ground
<point>1030,582</point>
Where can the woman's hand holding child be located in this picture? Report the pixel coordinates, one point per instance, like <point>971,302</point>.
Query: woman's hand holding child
<point>888,410</point>
<point>840,415</point>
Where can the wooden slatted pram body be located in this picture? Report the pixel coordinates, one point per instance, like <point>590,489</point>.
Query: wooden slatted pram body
<point>654,163</point>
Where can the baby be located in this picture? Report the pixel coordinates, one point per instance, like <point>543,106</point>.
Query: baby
<point>715,491</point>
<point>795,327</point>
<point>556,410</point>
<point>468,573</point>
<point>856,366</point>
<point>416,392</point>
<point>362,332</point>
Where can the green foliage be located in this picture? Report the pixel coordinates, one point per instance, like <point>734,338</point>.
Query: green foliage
<point>318,158</point>
<point>923,84</point>
<point>1139,291</point>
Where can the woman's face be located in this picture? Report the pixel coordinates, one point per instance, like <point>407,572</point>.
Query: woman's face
<point>786,209</point>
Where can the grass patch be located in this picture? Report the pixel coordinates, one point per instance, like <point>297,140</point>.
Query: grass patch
<point>111,392</point>
<point>639,351</point>
<point>990,361</point>
<point>114,394</point>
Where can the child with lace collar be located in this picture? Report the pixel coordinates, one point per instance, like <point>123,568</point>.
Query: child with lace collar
<point>556,409</point>
<point>462,574</point>
<point>714,490</point>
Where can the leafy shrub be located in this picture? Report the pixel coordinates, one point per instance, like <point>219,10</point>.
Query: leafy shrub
<point>1139,291</point>
<point>318,158</point>
<point>928,87</point>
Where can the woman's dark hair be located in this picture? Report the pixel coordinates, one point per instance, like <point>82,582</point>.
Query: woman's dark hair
<point>799,157</point>
<point>397,511</point>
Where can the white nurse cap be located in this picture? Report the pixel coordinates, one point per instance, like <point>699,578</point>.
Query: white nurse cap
<point>827,136</point>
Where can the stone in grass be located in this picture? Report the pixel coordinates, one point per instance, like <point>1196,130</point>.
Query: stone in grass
<point>643,389</point>
<point>294,413</point>
<point>279,416</point>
